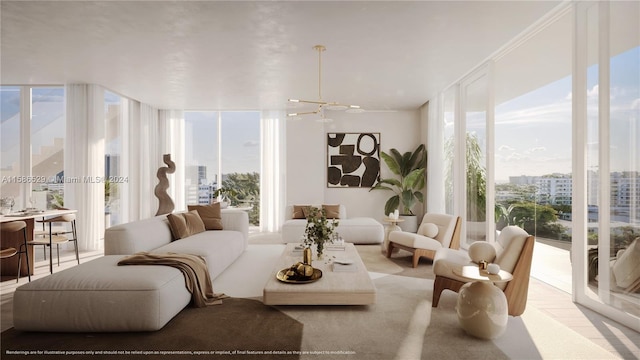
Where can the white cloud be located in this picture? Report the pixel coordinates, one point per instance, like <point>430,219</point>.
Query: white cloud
<point>251,143</point>
<point>505,147</point>
<point>548,113</point>
<point>539,148</point>
<point>514,157</point>
<point>569,96</point>
<point>594,91</point>
<point>635,104</point>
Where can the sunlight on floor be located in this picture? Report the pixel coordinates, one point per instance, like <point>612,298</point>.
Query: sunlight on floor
<point>411,345</point>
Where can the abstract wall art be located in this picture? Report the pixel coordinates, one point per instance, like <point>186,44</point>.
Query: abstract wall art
<point>353,159</point>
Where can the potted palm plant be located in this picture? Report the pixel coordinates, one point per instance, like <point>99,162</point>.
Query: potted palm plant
<point>410,169</point>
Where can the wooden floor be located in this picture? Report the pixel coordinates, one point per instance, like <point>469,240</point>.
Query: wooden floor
<point>619,340</point>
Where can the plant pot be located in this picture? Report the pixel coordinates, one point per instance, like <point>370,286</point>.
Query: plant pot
<point>410,223</point>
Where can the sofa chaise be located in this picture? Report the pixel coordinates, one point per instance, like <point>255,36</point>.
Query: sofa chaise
<point>100,296</point>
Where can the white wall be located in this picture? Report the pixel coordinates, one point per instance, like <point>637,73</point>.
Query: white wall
<point>307,163</point>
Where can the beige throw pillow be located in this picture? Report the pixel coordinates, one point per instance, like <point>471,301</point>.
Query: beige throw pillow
<point>300,211</point>
<point>332,211</point>
<point>185,224</point>
<point>210,214</point>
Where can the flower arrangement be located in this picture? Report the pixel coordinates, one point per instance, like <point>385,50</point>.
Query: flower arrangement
<point>319,230</point>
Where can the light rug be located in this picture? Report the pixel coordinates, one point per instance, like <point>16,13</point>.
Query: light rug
<point>401,325</point>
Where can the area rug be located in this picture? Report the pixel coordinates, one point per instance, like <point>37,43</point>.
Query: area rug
<point>237,327</point>
<point>400,325</point>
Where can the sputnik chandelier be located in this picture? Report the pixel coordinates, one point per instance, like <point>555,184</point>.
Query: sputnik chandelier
<point>323,105</point>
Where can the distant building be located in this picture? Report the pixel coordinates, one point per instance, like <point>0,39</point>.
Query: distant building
<point>556,189</point>
<point>199,188</point>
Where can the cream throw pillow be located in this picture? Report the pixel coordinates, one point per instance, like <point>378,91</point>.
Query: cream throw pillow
<point>185,224</point>
<point>428,229</point>
<point>481,250</point>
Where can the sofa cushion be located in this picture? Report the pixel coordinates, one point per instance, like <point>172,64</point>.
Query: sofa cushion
<point>332,211</point>
<point>415,241</point>
<point>210,214</point>
<point>185,224</point>
<point>100,296</point>
<point>300,211</point>
<point>218,248</point>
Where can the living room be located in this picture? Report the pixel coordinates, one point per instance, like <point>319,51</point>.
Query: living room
<point>406,108</point>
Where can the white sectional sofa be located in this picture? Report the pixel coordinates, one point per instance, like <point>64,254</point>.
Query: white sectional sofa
<point>358,230</point>
<point>220,248</point>
<point>100,296</point>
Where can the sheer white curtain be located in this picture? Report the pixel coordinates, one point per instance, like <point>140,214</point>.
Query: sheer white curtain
<point>84,160</point>
<point>134,155</point>
<point>143,160</point>
<point>435,160</point>
<point>272,172</point>
<point>153,133</point>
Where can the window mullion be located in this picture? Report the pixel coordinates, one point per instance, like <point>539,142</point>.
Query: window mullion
<point>25,142</point>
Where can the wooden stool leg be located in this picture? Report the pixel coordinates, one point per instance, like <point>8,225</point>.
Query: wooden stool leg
<point>26,254</point>
<point>75,240</point>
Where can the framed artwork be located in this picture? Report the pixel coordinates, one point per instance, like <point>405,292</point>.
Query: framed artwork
<point>353,160</point>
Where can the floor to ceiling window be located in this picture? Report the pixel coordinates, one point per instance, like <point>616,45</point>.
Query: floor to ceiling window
<point>201,156</point>
<point>448,117</point>
<point>47,146</point>
<point>116,178</point>
<point>474,109</point>
<point>10,146</point>
<point>33,133</point>
<point>533,144</point>
<point>223,159</point>
<point>612,102</point>
<point>563,110</point>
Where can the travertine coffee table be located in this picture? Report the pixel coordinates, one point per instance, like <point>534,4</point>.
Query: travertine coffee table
<point>334,288</point>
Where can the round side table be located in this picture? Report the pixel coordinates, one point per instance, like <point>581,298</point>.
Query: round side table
<point>392,225</point>
<point>482,307</point>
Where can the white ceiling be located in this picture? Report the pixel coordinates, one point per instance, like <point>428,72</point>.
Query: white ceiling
<point>255,55</point>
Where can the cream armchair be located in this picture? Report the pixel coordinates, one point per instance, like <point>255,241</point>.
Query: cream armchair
<point>513,252</point>
<point>436,231</point>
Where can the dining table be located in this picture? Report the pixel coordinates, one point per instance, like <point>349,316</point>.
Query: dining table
<point>8,266</point>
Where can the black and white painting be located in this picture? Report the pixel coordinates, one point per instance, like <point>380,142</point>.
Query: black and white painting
<point>353,159</point>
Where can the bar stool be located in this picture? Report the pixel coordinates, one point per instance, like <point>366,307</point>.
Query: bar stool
<point>11,228</point>
<point>57,236</point>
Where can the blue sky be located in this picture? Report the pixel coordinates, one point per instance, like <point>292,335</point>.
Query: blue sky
<point>533,131</point>
<point>240,141</point>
